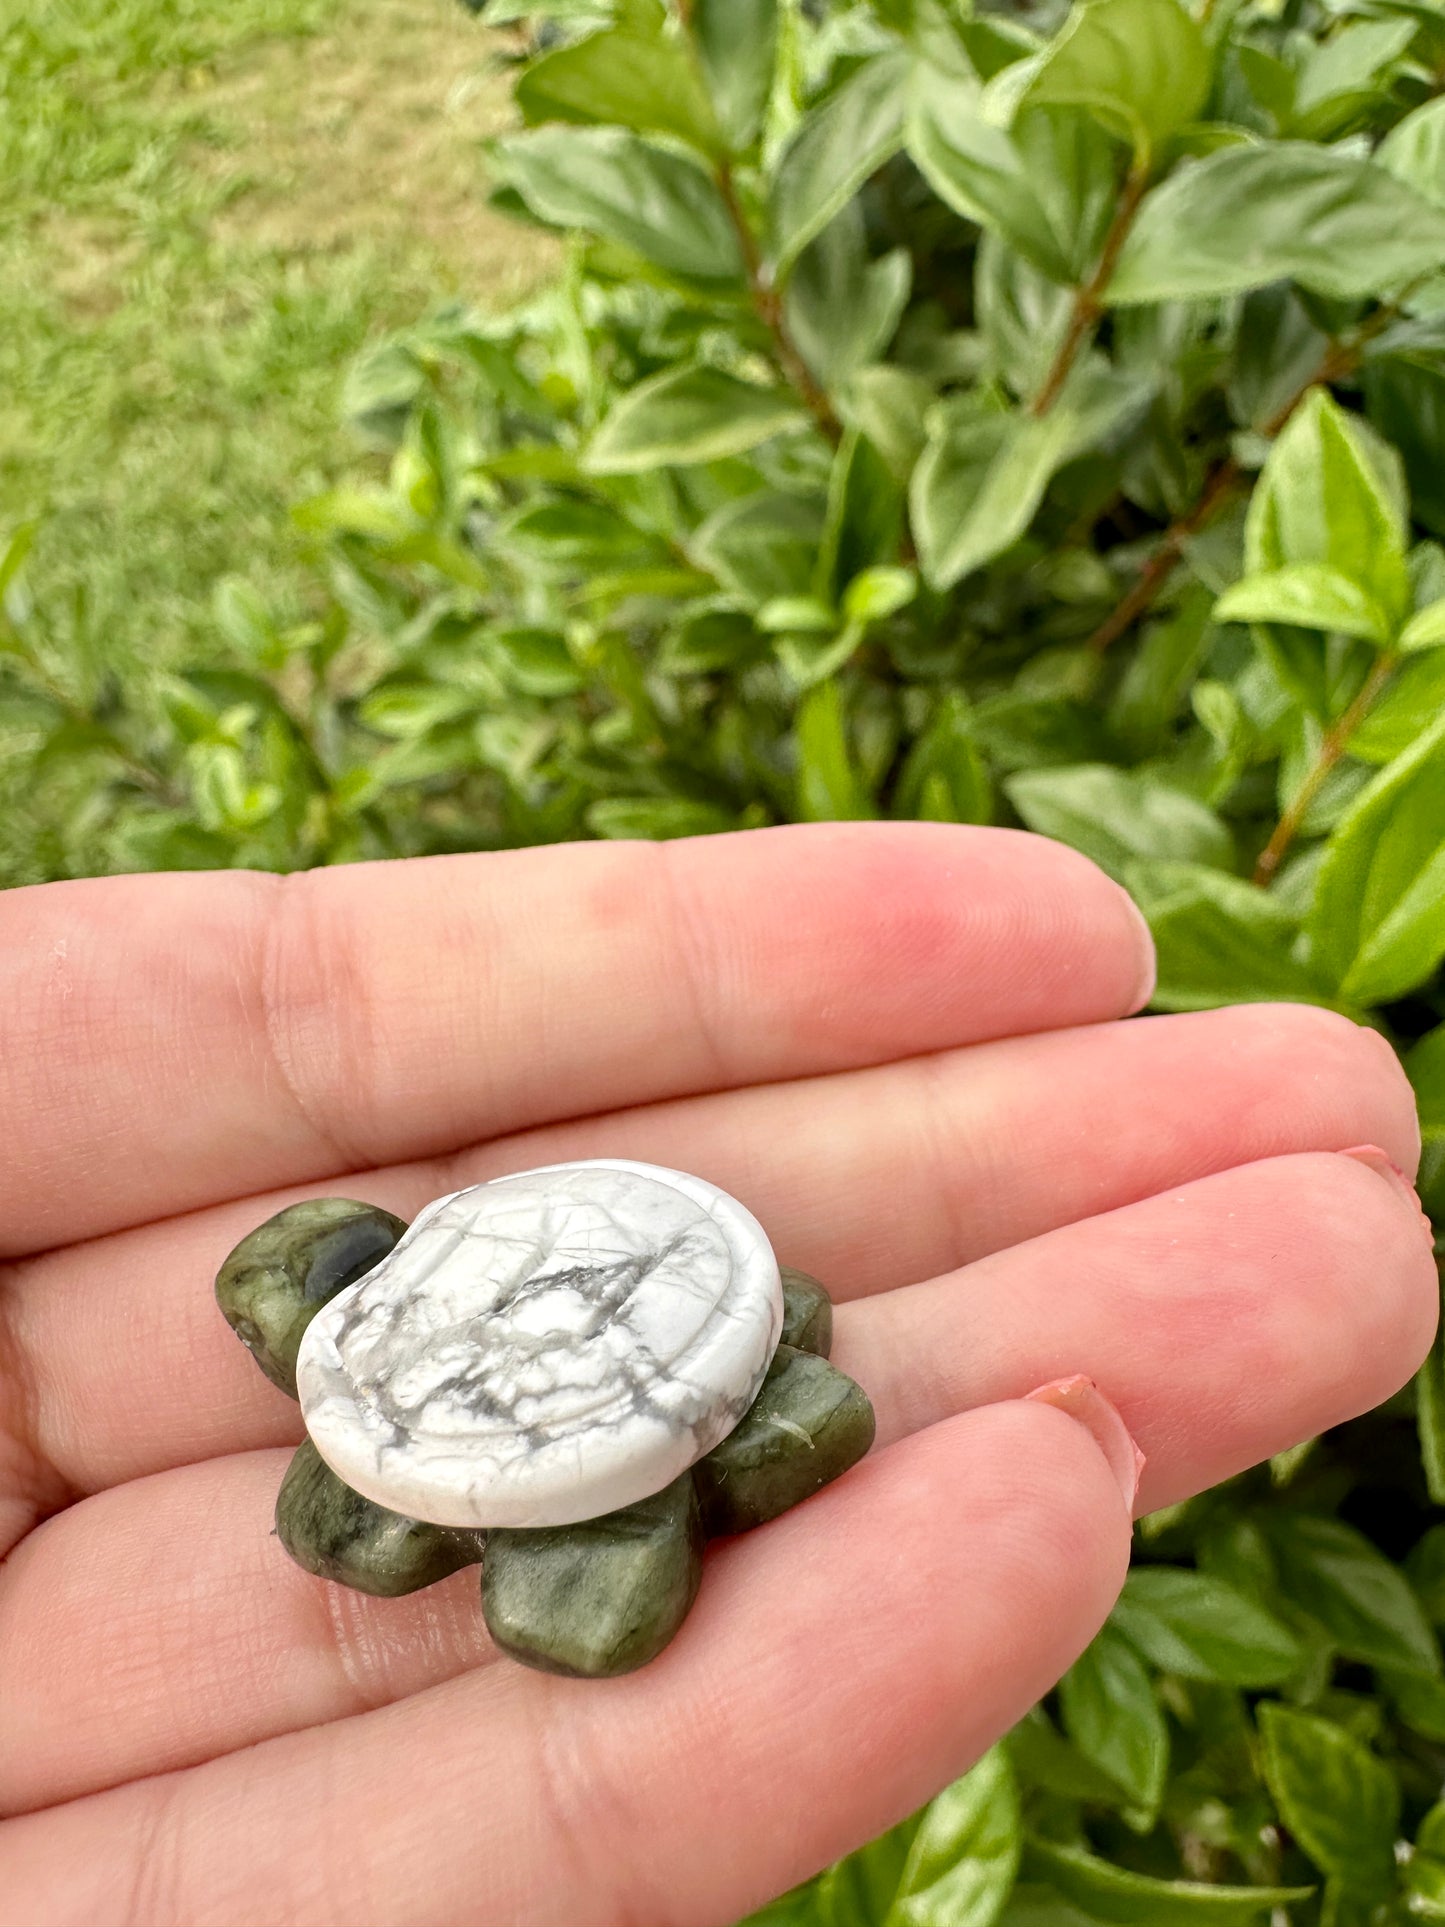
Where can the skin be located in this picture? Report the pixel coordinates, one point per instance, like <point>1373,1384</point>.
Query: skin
<point>900,1045</point>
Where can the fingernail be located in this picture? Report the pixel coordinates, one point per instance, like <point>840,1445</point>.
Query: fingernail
<point>1082,1400</point>
<point>1148,962</point>
<point>1384,1166</point>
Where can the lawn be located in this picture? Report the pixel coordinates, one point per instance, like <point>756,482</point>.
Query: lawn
<point>207,211</point>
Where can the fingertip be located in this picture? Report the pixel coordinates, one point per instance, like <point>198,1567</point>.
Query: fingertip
<point>1080,1399</point>
<point>1142,939</point>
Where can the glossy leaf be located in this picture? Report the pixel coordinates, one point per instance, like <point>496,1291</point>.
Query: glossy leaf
<point>1115,816</point>
<point>980,483</point>
<point>1046,185</point>
<point>1425,629</point>
<point>964,1856</point>
<point>663,207</point>
<point>1219,940</point>
<point>646,82</point>
<point>1248,215</point>
<point>1111,1714</point>
<point>1309,594</point>
<point>1330,497</point>
<point>1109,1893</point>
<point>1333,1573</point>
<point>1377,923</point>
<point>1141,65</point>
<point>737,44</point>
<point>830,783</point>
<point>1200,1627</point>
<point>835,148</point>
<point>841,308</point>
<point>1338,1800</point>
<point>688,415</point>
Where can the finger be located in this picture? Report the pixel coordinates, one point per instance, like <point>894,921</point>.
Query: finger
<point>1228,1321</point>
<point>899,1622</point>
<point>869,1179</point>
<point>166,1041</point>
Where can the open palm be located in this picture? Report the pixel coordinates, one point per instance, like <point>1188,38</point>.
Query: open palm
<point>899,1046</point>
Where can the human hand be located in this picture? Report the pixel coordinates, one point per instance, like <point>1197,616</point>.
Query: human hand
<point>897,1045</point>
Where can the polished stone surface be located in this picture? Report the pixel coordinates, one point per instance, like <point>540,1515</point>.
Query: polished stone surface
<point>336,1534</point>
<point>807,1314</point>
<point>545,1348</point>
<point>808,1424</point>
<point>279,1276</point>
<point>599,1598</point>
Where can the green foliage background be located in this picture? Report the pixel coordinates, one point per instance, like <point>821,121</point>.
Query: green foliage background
<point>972,416</point>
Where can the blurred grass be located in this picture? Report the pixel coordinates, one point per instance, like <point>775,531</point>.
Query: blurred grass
<point>206,211</point>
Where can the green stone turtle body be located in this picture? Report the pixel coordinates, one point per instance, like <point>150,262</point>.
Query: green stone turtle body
<point>592,1600</point>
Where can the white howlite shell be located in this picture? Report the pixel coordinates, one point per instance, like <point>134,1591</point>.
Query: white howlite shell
<point>544,1348</point>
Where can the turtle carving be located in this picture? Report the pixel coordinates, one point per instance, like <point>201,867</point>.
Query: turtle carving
<point>573,1376</point>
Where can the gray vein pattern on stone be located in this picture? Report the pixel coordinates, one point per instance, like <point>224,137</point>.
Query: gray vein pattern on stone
<point>546,1347</point>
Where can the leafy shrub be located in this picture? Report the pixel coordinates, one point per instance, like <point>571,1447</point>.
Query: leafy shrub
<point>951,417</point>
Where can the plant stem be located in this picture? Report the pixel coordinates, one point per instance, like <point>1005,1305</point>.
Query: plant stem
<point>768,306</point>
<point>1335,742</point>
<point>1089,296</point>
<point>1219,483</point>
<point>1340,358</point>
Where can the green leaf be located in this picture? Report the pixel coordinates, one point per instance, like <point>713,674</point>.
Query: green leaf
<point>943,779</point>
<point>830,784</point>
<point>1311,595</point>
<point>1278,349</point>
<point>1219,940</point>
<point>606,180</point>
<point>964,1857</point>
<point>643,81</point>
<point>890,407</point>
<point>688,415</point>
<point>1414,151</point>
<point>1155,685</point>
<point>14,549</point>
<point>762,546</point>
<point>1116,815</point>
<point>1406,402</point>
<point>1330,496</point>
<point>1333,1573</point>
<point>1141,65</point>
<point>1108,1893</point>
<point>657,817</point>
<point>980,482</point>
<point>864,520</point>
<point>840,308</point>
<point>1201,1627</point>
<point>1426,628</point>
<point>536,661</point>
<point>1340,78</point>
<point>1047,186</point>
<point>1412,699</point>
<point>1112,1716</point>
<point>736,41</point>
<point>1341,1803</point>
<point>245,621</point>
<point>1425,1067</point>
<point>834,149</point>
<point>1248,215</point>
<point>566,534</point>
<point>1430,1414</point>
<point>1377,923</point>
<point>879,592</point>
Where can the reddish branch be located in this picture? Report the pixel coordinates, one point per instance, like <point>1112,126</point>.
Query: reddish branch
<point>1089,298</point>
<point>1341,358</point>
<point>1333,746</point>
<point>768,306</point>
